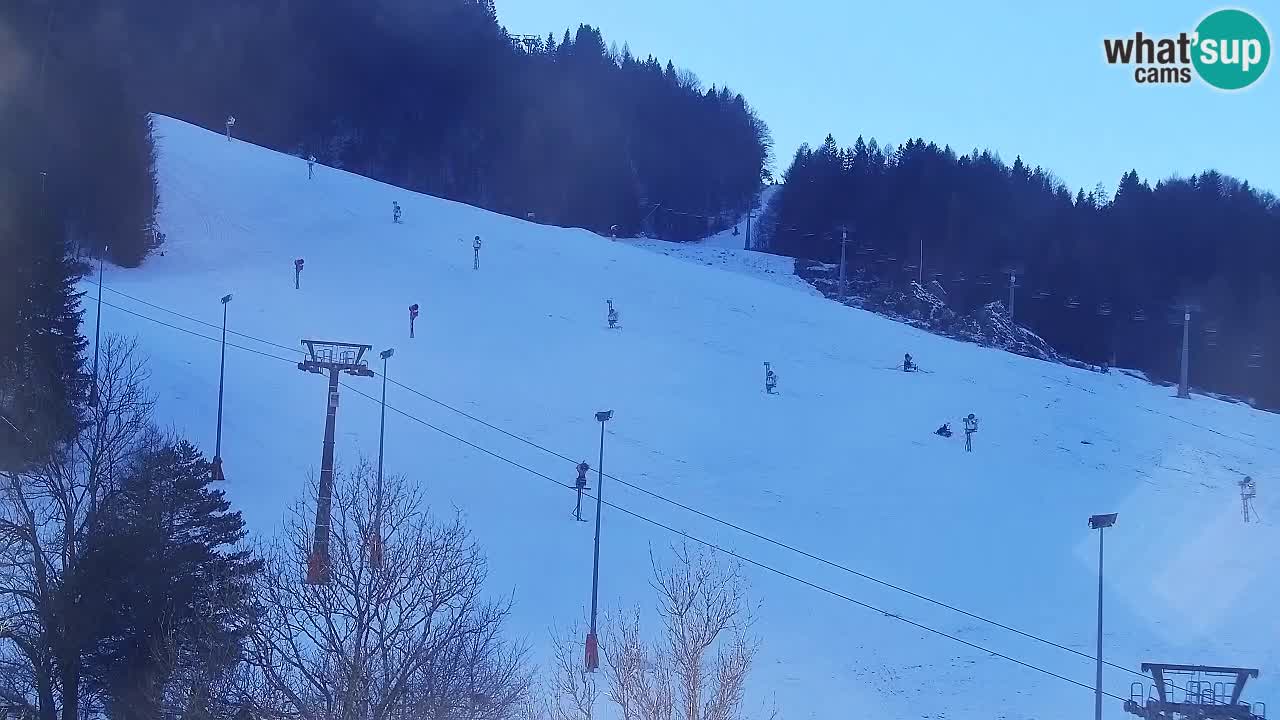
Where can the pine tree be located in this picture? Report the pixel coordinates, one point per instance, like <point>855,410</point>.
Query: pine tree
<point>173,582</point>
<point>41,385</point>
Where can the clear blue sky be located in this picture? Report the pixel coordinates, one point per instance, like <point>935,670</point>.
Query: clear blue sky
<point>1022,78</point>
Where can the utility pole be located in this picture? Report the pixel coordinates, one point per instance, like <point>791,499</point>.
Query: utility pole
<point>97,334</point>
<point>748,239</point>
<point>593,654</point>
<point>920,271</point>
<point>44,107</point>
<point>335,358</point>
<point>1099,523</point>
<point>222,372</point>
<point>1184,389</point>
<point>375,549</point>
<point>844,283</point>
<point>1013,283</point>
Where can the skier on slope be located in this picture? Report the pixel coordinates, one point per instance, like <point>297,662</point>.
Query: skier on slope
<point>311,164</point>
<point>944,431</point>
<point>970,427</point>
<point>770,379</point>
<point>395,211</point>
<point>908,365</point>
<point>413,315</point>
<point>475,245</point>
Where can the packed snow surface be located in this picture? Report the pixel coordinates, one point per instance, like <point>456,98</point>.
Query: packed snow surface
<point>842,463</point>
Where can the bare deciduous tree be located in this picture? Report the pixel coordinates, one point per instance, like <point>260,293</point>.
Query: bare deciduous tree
<point>48,513</point>
<point>409,638</point>
<point>698,670</point>
<point>572,691</point>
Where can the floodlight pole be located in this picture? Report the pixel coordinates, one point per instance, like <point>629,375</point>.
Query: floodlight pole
<point>1013,280</point>
<point>1184,389</point>
<point>97,334</point>
<point>1099,523</point>
<point>592,654</point>
<point>222,370</point>
<point>844,283</point>
<point>920,271</point>
<point>375,554</point>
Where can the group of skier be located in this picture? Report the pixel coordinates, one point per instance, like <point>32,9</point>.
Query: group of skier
<point>970,427</point>
<point>770,375</point>
<point>908,365</point>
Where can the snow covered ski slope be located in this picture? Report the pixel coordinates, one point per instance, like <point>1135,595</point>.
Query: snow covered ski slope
<point>843,463</point>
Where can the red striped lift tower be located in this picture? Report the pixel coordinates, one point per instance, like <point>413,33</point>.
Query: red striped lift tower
<point>334,358</point>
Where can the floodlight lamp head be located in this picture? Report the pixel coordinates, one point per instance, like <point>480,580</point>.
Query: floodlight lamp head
<point>387,353</point>
<point>604,415</point>
<point>226,299</point>
<point>1097,522</point>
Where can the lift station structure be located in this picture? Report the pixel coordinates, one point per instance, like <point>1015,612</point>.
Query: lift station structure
<point>1194,692</point>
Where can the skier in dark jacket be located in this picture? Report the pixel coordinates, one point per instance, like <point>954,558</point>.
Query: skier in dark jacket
<point>908,365</point>
<point>944,431</point>
<point>770,379</point>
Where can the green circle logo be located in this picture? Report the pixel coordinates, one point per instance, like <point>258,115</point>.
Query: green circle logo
<point>1232,49</point>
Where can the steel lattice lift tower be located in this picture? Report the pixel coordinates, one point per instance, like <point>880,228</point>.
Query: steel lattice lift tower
<point>335,358</point>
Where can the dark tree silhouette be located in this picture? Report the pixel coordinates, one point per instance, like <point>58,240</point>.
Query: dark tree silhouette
<point>1102,275</point>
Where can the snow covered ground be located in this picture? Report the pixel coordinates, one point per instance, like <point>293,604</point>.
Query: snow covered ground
<point>842,463</point>
<point>726,251</point>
